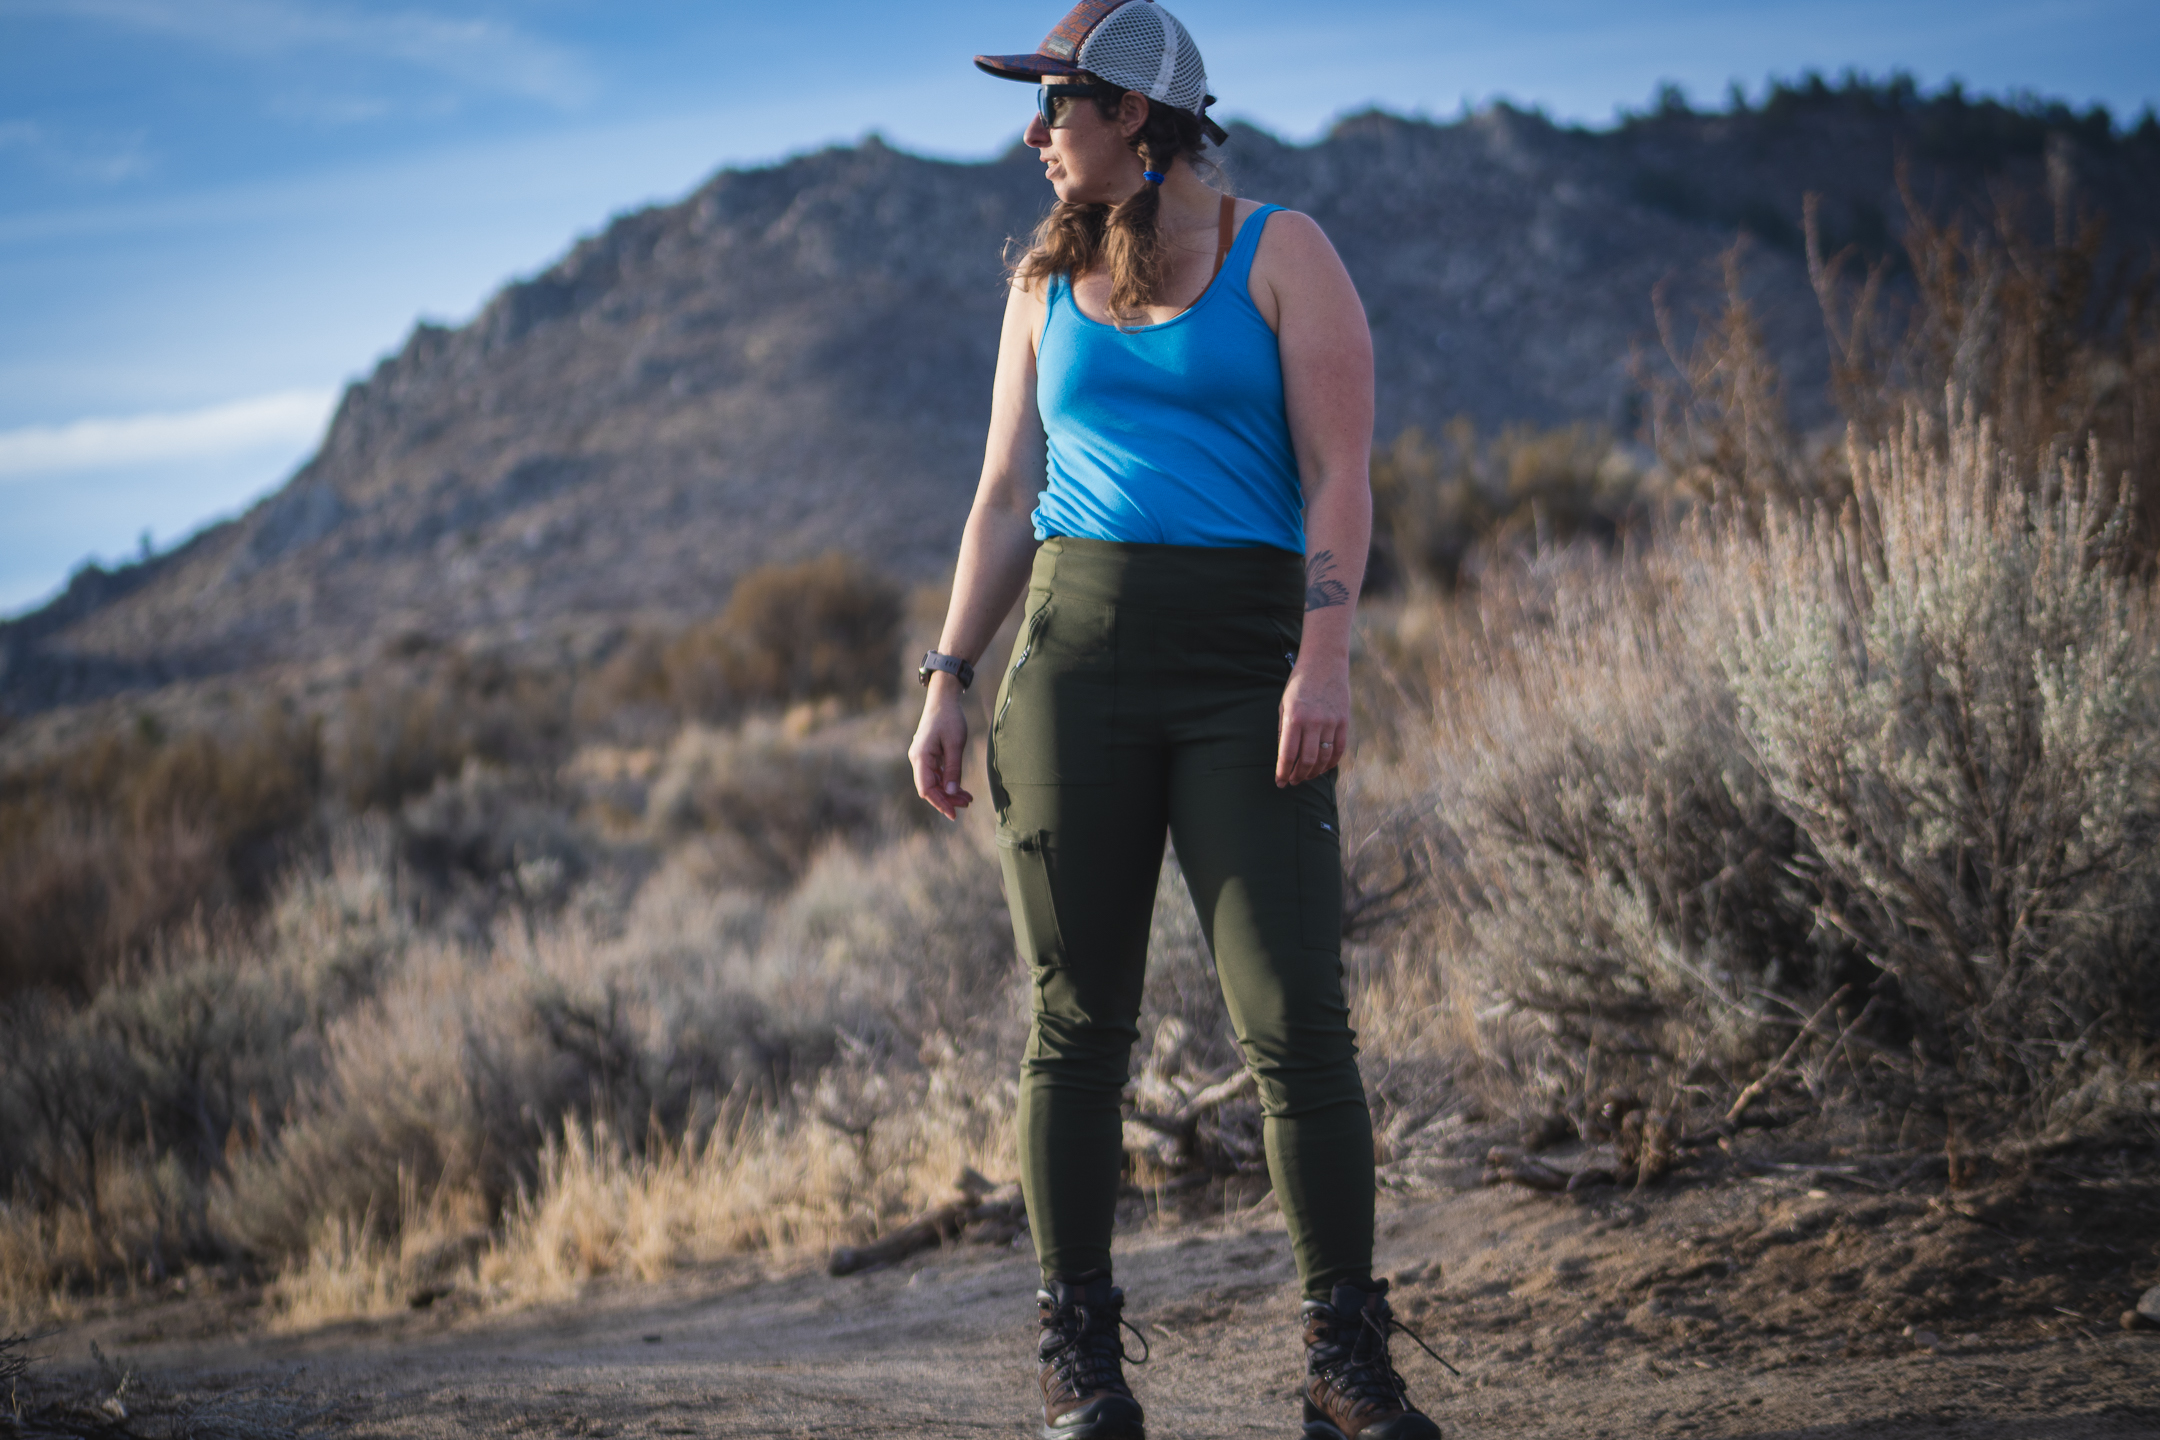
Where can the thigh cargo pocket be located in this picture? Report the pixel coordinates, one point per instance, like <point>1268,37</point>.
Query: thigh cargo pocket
<point>1029,895</point>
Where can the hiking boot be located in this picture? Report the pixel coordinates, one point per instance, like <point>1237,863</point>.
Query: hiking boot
<point>1351,1391</point>
<point>1083,1387</point>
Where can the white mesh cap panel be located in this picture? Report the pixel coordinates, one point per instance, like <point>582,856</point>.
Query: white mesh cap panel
<point>1142,47</point>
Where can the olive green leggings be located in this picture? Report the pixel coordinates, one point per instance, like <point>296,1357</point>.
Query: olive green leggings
<point>1142,697</point>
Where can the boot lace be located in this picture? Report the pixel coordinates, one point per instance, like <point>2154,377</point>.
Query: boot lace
<point>1366,1373</point>
<point>1089,1348</point>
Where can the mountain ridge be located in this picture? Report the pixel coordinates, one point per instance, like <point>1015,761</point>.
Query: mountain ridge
<point>796,358</point>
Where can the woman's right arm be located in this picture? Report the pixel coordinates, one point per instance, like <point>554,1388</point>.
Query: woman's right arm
<point>996,550</point>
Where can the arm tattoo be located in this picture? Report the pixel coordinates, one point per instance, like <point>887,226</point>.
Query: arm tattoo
<point>1322,591</point>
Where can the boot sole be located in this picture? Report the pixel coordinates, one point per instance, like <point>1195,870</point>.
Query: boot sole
<point>1113,1429</point>
<point>1316,1429</point>
<point>1124,1422</point>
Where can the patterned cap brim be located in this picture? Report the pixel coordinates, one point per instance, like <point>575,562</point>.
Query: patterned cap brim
<point>1030,67</point>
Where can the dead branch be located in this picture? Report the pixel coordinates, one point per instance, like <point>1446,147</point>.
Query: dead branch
<point>981,1211</point>
<point>1726,1129</point>
<point>1171,1137</point>
<point>1762,1082</point>
<point>1186,1119</point>
<point>1505,1167</point>
<point>1845,1036</point>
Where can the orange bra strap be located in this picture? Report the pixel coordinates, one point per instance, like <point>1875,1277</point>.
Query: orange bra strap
<point>1227,234</point>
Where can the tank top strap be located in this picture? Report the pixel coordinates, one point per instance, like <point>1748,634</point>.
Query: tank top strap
<point>1238,268</point>
<point>1057,292</point>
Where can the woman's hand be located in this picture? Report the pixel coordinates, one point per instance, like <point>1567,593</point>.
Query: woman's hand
<point>940,743</point>
<point>1315,726</point>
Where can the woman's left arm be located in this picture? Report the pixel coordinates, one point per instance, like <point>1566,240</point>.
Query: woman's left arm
<point>1327,366</point>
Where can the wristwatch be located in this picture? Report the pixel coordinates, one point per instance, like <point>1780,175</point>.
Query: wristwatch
<point>952,665</point>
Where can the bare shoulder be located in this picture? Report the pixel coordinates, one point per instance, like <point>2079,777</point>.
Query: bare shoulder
<point>1026,307</point>
<point>1294,266</point>
<point>1020,290</point>
<point>1026,298</point>
<point>1291,236</point>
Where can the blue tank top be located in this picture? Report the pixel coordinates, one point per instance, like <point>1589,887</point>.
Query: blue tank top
<point>1170,434</point>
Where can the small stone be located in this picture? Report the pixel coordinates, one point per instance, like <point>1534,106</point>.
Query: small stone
<point>2131,1320</point>
<point>2149,1305</point>
<point>1926,1339</point>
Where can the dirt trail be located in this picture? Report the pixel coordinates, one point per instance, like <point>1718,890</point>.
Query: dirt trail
<point>1606,1317</point>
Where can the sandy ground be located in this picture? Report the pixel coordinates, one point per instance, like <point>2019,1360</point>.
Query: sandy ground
<point>1732,1306</point>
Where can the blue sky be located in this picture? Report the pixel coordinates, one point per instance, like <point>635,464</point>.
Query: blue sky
<point>213,213</point>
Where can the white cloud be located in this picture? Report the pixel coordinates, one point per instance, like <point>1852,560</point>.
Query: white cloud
<point>486,54</point>
<point>287,418</point>
<point>94,157</point>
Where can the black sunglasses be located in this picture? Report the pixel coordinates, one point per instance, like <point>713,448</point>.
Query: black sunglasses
<point>1051,100</point>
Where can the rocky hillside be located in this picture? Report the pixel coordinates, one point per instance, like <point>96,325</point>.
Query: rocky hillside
<point>797,358</point>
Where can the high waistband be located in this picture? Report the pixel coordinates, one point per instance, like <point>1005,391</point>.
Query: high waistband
<point>1203,579</point>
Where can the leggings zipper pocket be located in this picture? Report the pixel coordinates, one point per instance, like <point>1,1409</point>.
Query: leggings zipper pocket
<point>1034,632</point>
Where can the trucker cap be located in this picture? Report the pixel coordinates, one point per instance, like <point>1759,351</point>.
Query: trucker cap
<point>1134,43</point>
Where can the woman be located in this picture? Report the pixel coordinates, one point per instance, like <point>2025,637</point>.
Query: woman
<point>1177,472</point>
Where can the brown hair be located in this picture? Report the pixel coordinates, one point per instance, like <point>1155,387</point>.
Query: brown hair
<point>1126,236</point>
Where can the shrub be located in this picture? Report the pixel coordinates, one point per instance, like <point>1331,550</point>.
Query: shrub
<point>1626,878</point>
<point>109,844</point>
<point>401,731</point>
<point>767,803</point>
<point>130,1113</point>
<point>1905,744</point>
<point>1437,505</point>
<point>1941,675</point>
<point>629,692</point>
<point>825,627</point>
<point>2042,328</point>
<point>105,845</point>
<point>489,838</point>
<point>1953,691</point>
<point>1719,418</point>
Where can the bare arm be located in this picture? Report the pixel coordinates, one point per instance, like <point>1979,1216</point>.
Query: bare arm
<point>996,549</point>
<point>1327,365</point>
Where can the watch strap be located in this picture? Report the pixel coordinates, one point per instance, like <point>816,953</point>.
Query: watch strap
<point>952,665</point>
